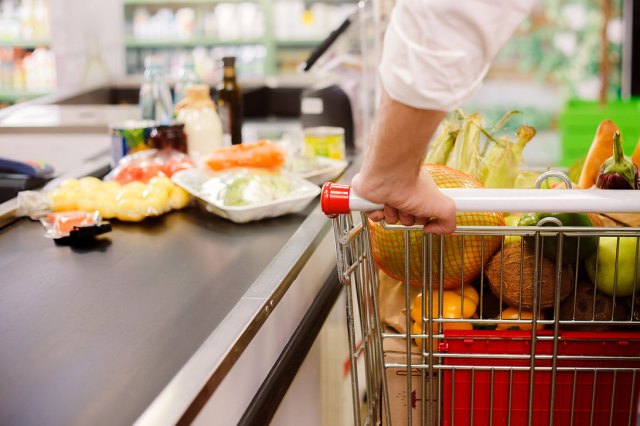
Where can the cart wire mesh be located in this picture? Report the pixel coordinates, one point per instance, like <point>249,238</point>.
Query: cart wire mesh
<point>571,356</point>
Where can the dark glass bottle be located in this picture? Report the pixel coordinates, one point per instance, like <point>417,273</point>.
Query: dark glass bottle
<point>230,107</point>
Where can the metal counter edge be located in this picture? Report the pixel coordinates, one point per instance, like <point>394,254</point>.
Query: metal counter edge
<point>186,394</point>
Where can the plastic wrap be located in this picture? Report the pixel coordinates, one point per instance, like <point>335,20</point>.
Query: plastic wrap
<point>145,165</point>
<point>130,202</point>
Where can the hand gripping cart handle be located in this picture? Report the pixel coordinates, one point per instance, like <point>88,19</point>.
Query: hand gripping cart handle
<point>340,199</point>
<point>366,333</point>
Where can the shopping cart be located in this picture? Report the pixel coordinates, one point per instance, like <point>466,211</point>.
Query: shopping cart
<point>568,362</point>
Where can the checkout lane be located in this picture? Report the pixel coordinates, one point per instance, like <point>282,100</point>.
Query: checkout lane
<point>156,309</point>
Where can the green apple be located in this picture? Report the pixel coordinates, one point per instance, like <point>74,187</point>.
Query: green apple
<point>628,258</point>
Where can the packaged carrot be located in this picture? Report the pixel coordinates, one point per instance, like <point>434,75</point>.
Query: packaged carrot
<point>263,153</point>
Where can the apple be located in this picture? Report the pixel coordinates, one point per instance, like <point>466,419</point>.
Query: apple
<point>628,261</point>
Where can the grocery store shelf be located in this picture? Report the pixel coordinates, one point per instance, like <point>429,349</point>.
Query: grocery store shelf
<point>16,95</point>
<point>179,2</point>
<point>25,44</point>
<point>298,43</point>
<point>191,42</point>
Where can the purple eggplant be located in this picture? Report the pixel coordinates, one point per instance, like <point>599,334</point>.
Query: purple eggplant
<point>618,171</point>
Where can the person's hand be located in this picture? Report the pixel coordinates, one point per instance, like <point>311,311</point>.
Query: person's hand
<point>417,201</point>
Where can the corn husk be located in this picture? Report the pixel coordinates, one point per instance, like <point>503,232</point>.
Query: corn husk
<point>501,165</point>
<point>442,145</point>
<point>465,155</point>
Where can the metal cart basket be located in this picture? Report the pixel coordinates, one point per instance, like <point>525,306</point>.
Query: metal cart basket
<point>544,345</point>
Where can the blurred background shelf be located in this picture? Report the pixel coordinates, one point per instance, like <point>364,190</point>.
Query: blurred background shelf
<point>181,2</point>
<point>191,42</point>
<point>11,96</point>
<point>268,37</point>
<point>25,44</point>
<point>311,43</point>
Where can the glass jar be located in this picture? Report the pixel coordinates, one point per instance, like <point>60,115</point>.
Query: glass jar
<point>169,136</point>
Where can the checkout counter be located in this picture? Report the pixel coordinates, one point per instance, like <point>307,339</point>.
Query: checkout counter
<point>184,318</point>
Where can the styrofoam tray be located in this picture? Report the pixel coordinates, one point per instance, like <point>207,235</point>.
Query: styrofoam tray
<point>326,170</point>
<point>199,183</point>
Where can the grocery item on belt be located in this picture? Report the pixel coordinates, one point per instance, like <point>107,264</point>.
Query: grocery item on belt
<point>129,137</point>
<point>74,226</point>
<point>242,195</point>
<point>131,202</point>
<point>315,169</point>
<point>265,154</point>
<point>145,165</point>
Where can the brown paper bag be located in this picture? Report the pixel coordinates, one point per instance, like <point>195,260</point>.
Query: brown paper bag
<point>392,302</point>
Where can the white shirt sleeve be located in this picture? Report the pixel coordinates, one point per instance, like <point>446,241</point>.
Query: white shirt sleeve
<point>437,52</point>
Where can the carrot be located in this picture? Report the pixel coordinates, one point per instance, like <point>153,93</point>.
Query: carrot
<point>260,154</point>
<point>636,155</point>
<point>601,149</point>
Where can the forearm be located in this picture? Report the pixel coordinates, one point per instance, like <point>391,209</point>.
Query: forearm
<point>396,147</point>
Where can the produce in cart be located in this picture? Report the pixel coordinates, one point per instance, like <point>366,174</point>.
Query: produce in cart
<point>572,247</point>
<point>511,313</point>
<point>618,171</point>
<point>511,274</point>
<point>587,304</point>
<point>616,269</point>
<point>601,148</point>
<point>460,253</point>
<point>494,161</point>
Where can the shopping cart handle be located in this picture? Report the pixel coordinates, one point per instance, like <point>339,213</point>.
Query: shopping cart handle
<point>340,199</point>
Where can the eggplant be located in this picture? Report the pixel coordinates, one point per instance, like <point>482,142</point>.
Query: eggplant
<point>618,171</point>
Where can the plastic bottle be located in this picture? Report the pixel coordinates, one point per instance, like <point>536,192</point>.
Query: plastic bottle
<point>202,124</point>
<point>187,78</point>
<point>155,96</point>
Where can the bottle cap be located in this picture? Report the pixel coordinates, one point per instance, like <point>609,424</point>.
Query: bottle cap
<point>198,91</point>
<point>229,61</point>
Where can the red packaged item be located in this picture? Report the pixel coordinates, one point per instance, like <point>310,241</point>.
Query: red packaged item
<point>145,165</point>
<point>74,226</point>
